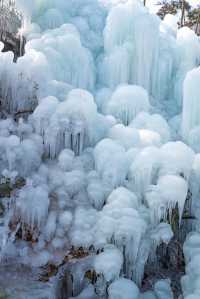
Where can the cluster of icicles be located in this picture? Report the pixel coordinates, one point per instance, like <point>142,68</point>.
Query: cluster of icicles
<point>103,171</point>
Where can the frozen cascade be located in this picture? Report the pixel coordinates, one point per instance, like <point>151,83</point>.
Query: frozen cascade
<point>128,44</point>
<point>99,175</point>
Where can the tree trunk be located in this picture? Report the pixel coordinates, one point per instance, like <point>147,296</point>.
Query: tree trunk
<point>198,24</point>
<point>182,13</point>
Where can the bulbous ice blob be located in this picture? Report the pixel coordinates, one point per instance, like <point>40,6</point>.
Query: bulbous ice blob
<point>127,101</point>
<point>96,194</point>
<point>66,159</point>
<point>32,205</point>
<point>127,137</point>
<point>82,233</point>
<point>111,162</point>
<point>109,263</point>
<point>149,138</point>
<point>154,122</point>
<point>176,158</point>
<point>123,289</point>
<point>163,290</point>
<point>144,169</point>
<point>65,220</point>
<point>162,198</point>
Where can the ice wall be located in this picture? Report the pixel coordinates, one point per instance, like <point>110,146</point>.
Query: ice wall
<point>95,172</point>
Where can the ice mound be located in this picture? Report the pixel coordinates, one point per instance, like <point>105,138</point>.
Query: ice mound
<point>170,191</point>
<point>111,162</point>
<point>69,124</point>
<point>123,289</point>
<point>32,206</point>
<point>128,137</point>
<point>154,122</point>
<point>127,101</point>
<point>109,263</point>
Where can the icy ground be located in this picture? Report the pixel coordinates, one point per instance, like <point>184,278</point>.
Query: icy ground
<point>100,154</point>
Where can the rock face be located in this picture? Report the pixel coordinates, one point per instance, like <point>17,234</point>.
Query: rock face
<point>10,23</point>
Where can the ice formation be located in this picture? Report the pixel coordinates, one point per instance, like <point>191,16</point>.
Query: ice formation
<point>99,152</point>
<point>127,101</point>
<point>123,289</point>
<point>190,119</point>
<point>187,58</point>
